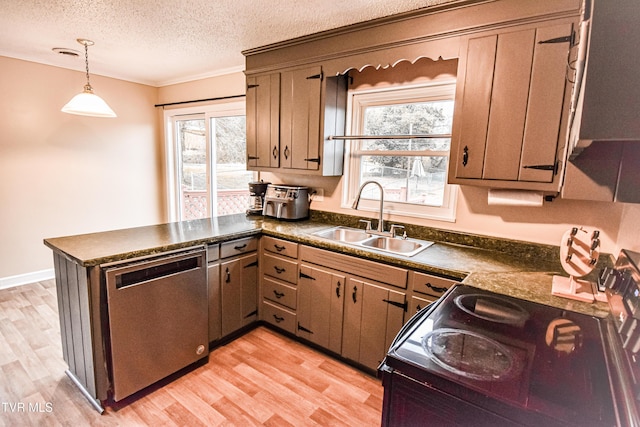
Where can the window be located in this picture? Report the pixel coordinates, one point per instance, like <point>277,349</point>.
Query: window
<point>411,155</point>
<point>206,156</point>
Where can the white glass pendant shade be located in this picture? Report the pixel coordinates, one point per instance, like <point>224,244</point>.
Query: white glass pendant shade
<point>88,104</point>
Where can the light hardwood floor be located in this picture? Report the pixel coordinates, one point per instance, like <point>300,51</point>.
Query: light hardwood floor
<point>262,378</point>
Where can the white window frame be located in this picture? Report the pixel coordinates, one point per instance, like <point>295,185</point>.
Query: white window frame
<point>172,152</point>
<point>357,102</point>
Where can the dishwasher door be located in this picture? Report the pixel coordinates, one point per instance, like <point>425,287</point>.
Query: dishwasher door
<point>158,318</point>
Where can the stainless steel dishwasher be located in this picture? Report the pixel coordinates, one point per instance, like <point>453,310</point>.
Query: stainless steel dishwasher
<point>158,318</point>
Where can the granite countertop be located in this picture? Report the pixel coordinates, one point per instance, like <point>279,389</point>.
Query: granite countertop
<point>518,269</point>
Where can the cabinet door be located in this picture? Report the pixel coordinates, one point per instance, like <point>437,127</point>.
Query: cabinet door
<point>263,121</point>
<point>509,108</point>
<point>373,316</point>
<point>238,282</point>
<point>300,118</point>
<point>213,282</point>
<point>249,307</point>
<point>320,307</point>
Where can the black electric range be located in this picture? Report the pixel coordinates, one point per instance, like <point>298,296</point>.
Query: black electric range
<point>478,358</point>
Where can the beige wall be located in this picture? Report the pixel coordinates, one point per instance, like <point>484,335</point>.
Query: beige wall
<point>62,174</point>
<point>544,224</point>
<point>213,87</point>
<point>629,234</point>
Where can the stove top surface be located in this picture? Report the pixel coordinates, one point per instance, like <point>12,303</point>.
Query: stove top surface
<point>509,352</point>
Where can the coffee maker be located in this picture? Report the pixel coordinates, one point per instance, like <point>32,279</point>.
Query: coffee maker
<point>257,191</point>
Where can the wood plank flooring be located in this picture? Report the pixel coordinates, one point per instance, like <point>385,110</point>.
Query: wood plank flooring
<point>262,378</point>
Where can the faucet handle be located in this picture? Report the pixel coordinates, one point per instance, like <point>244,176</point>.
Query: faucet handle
<point>395,228</point>
<point>367,224</point>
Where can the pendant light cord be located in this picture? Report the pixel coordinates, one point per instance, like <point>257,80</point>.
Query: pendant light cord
<point>87,87</point>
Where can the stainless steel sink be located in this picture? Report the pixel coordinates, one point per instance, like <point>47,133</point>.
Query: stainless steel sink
<point>360,238</point>
<point>395,245</point>
<point>343,234</point>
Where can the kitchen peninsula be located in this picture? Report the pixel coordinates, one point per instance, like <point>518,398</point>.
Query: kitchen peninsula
<point>518,269</point>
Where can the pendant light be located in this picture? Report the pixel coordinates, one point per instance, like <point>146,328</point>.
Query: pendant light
<point>87,103</point>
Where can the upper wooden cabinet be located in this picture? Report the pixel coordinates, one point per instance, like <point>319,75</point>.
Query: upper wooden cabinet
<point>509,124</point>
<point>290,116</point>
<point>263,121</point>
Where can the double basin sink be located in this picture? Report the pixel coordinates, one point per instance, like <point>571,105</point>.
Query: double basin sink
<point>366,240</point>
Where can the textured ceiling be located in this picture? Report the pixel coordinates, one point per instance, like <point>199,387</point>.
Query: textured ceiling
<point>159,42</point>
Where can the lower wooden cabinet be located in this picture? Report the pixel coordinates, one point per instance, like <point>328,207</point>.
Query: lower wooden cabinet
<point>239,292</point>
<point>373,315</point>
<point>278,316</point>
<point>425,289</point>
<point>320,306</point>
<point>215,317</point>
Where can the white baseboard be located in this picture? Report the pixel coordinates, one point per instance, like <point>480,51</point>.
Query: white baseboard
<point>23,279</point>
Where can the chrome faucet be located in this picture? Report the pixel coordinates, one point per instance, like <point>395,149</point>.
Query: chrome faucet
<point>380,228</point>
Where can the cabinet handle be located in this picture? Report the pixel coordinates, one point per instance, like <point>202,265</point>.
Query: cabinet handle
<point>465,156</point>
<point>306,276</point>
<point>253,158</point>
<point>402,305</point>
<point>275,152</point>
<point>279,248</point>
<point>313,160</point>
<point>338,290</point>
<point>279,270</point>
<point>278,294</point>
<point>316,76</point>
<point>355,291</point>
<point>418,307</point>
<point>240,247</point>
<point>252,86</point>
<point>435,288</point>
<point>286,151</point>
<point>277,318</point>
<point>227,276</point>
<point>303,329</point>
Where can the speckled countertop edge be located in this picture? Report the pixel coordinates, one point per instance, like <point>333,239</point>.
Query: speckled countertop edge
<point>519,269</point>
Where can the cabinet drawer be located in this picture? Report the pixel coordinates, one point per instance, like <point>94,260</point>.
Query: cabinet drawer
<point>280,247</point>
<point>280,268</point>
<point>279,316</point>
<point>358,267</point>
<point>430,285</point>
<point>238,247</point>
<point>279,293</point>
